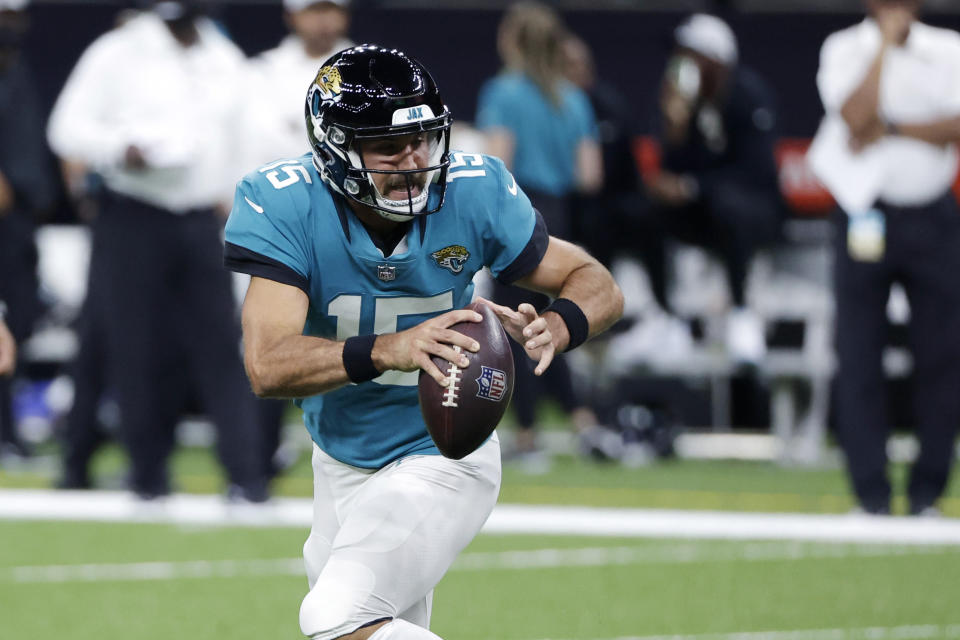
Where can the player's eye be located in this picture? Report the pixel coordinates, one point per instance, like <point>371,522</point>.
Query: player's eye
<point>386,148</point>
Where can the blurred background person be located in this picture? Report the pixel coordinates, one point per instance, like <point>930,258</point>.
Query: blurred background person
<point>28,189</point>
<point>603,224</point>
<point>83,430</point>
<point>276,84</point>
<point>543,128</point>
<point>718,187</point>
<point>278,77</point>
<point>150,107</point>
<point>887,151</point>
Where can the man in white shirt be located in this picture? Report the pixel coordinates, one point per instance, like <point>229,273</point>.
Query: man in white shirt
<point>887,151</point>
<point>278,77</point>
<point>151,106</point>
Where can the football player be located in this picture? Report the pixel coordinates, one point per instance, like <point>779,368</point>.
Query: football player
<point>362,254</point>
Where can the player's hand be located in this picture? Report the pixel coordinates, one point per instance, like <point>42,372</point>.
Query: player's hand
<point>411,349</point>
<point>529,329</point>
<point>8,350</point>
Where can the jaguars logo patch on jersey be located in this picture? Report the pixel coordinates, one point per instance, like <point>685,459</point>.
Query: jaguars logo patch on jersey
<point>452,257</point>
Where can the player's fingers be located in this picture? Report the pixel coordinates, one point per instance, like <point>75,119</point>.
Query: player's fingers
<point>546,357</point>
<point>452,337</point>
<point>432,370</point>
<point>501,311</point>
<point>448,353</point>
<point>539,340</point>
<point>457,315</point>
<point>528,311</point>
<point>537,326</point>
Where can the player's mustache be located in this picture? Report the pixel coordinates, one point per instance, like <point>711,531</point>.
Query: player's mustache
<point>401,185</point>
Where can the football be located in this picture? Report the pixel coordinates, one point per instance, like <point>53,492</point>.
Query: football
<point>462,415</point>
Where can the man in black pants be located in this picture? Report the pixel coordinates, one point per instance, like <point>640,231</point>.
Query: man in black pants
<point>889,158</point>
<point>149,107</point>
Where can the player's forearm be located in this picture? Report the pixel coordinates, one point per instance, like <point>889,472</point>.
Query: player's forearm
<point>941,132</point>
<point>296,367</point>
<point>594,290</point>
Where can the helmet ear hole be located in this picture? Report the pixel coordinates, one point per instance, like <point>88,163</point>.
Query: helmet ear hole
<point>326,156</point>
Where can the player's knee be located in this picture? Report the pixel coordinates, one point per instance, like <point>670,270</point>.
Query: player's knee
<point>339,602</point>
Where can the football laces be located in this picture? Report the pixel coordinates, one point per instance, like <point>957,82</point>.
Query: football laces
<point>454,374</point>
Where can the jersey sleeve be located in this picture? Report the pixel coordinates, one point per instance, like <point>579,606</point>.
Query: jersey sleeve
<point>516,241</point>
<point>267,236</point>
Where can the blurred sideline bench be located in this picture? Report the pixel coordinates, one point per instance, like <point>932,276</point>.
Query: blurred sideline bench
<point>789,285</point>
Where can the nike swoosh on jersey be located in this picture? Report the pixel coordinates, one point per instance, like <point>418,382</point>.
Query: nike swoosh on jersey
<point>513,187</point>
<point>253,204</point>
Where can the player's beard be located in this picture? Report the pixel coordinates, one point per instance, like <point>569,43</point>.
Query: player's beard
<point>417,184</point>
<point>396,197</point>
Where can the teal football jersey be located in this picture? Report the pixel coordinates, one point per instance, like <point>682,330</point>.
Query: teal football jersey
<point>289,226</point>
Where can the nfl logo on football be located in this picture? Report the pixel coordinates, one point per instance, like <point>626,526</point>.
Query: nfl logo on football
<point>492,383</point>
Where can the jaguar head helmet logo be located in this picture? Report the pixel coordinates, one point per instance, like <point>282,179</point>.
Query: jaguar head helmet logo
<point>328,84</point>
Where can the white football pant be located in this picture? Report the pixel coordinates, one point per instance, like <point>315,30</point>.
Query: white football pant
<point>381,540</point>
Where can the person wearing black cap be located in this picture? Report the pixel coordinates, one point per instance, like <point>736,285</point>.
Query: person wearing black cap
<point>887,152</point>
<point>718,187</point>
<point>150,107</point>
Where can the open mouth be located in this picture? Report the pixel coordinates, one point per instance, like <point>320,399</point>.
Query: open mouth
<point>399,192</point>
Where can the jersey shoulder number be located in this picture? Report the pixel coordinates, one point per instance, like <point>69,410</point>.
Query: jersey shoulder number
<point>465,165</point>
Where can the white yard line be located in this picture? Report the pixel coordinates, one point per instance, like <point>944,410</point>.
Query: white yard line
<point>904,632</point>
<point>184,509</point>
<point>658,554</point>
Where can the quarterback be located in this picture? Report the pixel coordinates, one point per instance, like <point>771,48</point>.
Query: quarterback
<point>362,254</point>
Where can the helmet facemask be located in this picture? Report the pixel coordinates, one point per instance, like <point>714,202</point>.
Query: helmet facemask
<point>339,157</point>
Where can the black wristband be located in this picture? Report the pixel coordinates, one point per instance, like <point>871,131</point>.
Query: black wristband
<point>577,325</point>
<point>358,358</point>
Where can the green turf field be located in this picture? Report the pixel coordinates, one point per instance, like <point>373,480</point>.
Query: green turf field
<point>235,584</point>
<point>643,588</point>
